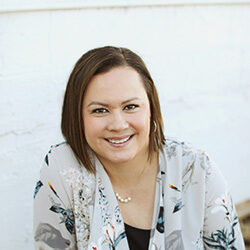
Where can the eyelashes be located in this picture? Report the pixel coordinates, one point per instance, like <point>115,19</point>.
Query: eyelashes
<point>129,107</point>
<point>99,111</point>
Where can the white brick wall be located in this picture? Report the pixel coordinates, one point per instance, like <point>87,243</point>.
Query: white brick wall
<point>199,57</point>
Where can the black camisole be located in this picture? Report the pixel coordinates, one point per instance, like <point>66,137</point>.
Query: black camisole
<point>138,239</point>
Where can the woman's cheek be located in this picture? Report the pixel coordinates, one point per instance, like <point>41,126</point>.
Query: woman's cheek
<point>141,122</point>
<point>96,125</point>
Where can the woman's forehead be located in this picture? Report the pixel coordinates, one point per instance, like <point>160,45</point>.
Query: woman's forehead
<point>119,84</point>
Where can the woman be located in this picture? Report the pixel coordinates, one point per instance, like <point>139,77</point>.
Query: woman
<point>117,183</point>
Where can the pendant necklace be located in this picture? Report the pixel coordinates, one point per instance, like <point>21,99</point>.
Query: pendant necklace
<point>126,200</point>
<point>121,199</point>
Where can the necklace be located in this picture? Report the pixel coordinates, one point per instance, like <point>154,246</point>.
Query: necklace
<point>126,200</point>
<point>121,199</point>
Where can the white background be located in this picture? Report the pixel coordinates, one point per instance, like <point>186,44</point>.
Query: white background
<point>199,57</point>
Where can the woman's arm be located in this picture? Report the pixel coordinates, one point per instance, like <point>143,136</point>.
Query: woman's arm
<point>54,224</point>
<point>221,226</point>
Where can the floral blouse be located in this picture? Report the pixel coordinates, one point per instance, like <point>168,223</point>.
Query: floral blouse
<point>74,209</point>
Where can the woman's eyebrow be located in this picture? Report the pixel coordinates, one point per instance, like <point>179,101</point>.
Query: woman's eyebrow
<point>131,99</point>
<point>106,105</point>
<point>98,103</point>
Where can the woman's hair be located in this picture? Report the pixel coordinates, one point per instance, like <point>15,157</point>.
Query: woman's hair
<point>96,61</point>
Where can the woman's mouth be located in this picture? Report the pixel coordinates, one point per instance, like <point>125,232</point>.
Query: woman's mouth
<point>119,141</point>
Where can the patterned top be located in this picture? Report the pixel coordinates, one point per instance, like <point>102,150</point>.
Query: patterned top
<point>74,209</point>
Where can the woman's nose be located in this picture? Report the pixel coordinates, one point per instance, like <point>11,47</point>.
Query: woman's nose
<point>117,122</point>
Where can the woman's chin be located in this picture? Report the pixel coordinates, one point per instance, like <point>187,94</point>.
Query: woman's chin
<point>116,159</point>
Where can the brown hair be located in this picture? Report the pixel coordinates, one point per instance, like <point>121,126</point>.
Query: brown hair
<point>96,61</point>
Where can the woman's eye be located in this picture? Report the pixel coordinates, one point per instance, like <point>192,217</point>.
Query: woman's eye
<point>131,107</point>
<point>99,111</point>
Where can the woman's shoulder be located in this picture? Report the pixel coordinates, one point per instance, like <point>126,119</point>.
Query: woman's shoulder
<point>61,154</point>
<point>61,164</point>
<point>60,161</point>
<point>189,164</point>
<point>176,149</point>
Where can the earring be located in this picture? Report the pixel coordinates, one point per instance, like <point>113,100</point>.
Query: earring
<point>155,126</point>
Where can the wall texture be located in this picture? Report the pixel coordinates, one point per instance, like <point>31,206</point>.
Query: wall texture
<point>199,59</point>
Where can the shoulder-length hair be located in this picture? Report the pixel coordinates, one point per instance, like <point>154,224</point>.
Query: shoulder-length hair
<point>96,61</point>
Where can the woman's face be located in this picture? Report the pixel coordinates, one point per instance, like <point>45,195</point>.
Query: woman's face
<point>116,115</point>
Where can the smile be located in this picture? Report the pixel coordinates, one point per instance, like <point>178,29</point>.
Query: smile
<point>119,141</point>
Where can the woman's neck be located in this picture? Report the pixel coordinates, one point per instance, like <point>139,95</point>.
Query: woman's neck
<point>129,173</point>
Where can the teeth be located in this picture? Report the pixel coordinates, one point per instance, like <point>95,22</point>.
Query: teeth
<point>119,141</point>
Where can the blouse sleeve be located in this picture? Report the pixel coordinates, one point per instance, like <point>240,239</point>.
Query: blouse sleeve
<point>221,226</point>
<point>53,216</point>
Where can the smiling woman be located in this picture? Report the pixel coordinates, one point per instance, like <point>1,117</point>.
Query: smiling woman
<point>103,67</point>
<point>116,116</point>
<point>117,183</point>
